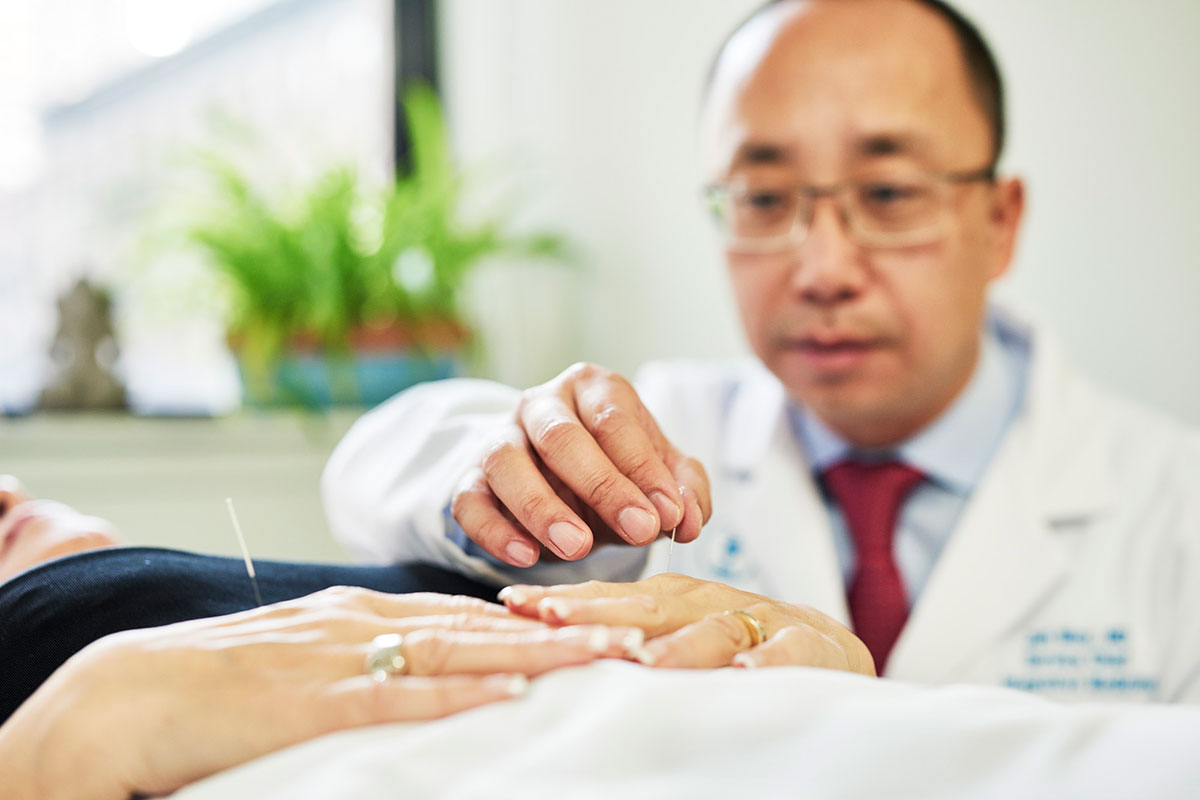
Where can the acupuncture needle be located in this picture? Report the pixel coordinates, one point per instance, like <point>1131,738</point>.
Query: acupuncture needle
<point>671,549</point>
<point>237,528</point>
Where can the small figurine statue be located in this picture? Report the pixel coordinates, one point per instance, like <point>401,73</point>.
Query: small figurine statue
<point>84,347</point>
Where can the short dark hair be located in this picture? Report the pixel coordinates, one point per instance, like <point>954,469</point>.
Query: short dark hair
<point>983,71</point>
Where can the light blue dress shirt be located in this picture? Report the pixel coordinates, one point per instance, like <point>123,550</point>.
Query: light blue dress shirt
<point>953,452</point>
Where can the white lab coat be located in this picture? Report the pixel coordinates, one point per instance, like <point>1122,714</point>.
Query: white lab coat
<point>1074,570</point>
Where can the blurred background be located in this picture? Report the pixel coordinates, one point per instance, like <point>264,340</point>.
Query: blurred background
<point>226,227</point>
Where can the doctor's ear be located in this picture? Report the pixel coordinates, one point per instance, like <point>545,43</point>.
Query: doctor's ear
<point>1005,215</point>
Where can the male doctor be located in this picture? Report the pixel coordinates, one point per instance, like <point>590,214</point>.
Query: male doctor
<point>908,480</point>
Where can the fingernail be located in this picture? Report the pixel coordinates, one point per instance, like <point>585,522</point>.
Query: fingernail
<point>598,640</point>
<point>669,514</point>
<point>520,552</point>
<point>637,524</point>
<point>642,655</point>
<point>554,607</point>
<point>567,538</point>
<point>515,685</point>
<point>511,595</point>
<point>745,661</point>
<point>633,641</point>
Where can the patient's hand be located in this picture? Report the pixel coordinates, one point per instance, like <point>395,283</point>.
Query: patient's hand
<point>35,531</point>
<point>685,616</point>
<point>148,711</point>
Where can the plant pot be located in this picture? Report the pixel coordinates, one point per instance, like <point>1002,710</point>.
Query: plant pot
<point>382,362</point>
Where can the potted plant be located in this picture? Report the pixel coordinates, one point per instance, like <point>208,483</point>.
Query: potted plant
<point>345,295</point>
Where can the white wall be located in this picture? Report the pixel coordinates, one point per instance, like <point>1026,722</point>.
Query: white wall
<point>602,99</point>
<point>1106,124</point>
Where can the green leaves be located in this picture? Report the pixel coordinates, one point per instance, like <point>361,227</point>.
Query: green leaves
<point>315,265</point>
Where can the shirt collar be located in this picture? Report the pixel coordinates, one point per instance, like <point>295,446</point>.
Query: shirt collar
<point>954,449</point>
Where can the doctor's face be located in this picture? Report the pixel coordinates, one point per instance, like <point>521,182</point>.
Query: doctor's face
<point>873,328</point>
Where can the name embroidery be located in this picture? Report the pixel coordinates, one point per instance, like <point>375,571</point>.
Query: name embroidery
<point>1075,659</point>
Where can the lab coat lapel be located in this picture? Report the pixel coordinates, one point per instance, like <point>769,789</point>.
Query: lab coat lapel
<point>767,479</point>
<point>1013,546</point>
<point>1001,560</point>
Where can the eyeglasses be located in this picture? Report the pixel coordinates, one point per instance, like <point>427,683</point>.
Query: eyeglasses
<point>896,211</point>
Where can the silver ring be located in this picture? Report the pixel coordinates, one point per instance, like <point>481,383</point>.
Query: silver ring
<point>386,657</point>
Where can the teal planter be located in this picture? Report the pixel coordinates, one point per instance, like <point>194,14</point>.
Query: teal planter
<point>315,382</point>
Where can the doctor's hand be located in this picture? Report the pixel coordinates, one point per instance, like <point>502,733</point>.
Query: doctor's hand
<point>687,625</point>
<point>582,463</point>
<point>147,711</point>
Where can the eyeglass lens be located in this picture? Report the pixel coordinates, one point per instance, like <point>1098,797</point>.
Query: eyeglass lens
<point>876,210</point>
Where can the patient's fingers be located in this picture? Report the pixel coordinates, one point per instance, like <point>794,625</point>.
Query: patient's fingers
<point>712,642</point>
<point>795,646</point>
<point>435,651</point>
<point>468,622</point>
<point>353,615</point>
<point>524,598</point>
<point>446,606</point>
<point>599,601</point>
<point>402,605</point>
<point>363,701</point>
<point>658,605</point>
<point>654,615</point>
<point>405,605</point>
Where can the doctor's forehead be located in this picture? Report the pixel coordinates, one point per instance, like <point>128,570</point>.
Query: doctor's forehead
<point>823,82</point>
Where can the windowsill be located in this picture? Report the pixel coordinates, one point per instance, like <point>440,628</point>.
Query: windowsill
<point>163,481</point>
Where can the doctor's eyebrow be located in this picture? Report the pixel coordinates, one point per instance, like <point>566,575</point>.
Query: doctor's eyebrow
<point>885,143</point>
<point>879,144</point>
<point>761,153</point>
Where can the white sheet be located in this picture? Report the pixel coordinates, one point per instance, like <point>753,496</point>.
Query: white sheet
<point>617,730</point>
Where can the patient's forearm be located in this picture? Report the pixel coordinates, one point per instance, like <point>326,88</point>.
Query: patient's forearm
<point>148,711</point>
<point>47,751</point>
<point>16,767</point>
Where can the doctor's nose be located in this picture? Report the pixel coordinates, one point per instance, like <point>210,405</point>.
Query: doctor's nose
<point>827,266</point>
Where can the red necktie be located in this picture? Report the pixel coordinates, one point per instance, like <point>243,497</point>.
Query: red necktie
<point>870,496</point>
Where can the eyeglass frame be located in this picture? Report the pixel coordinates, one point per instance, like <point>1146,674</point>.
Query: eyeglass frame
<point>837,192</point>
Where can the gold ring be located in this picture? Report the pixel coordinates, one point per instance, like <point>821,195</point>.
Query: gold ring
<point>758,634</point>
<point>386,657</point>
